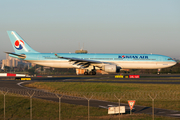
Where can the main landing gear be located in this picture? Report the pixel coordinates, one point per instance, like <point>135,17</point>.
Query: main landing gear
<point>92,72</point>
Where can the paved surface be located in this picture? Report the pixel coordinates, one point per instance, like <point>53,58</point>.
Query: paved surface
<point>15,86</point>
<point>147,79</point>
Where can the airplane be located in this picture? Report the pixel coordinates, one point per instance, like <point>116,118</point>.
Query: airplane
<point>90,62</point>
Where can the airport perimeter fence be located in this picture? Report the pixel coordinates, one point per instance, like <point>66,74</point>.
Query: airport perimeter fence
<point>161,99</point>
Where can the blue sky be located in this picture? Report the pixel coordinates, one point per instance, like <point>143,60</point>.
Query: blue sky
<point>104,26</point>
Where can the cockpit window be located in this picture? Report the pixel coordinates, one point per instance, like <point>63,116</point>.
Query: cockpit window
<point>170,59</point>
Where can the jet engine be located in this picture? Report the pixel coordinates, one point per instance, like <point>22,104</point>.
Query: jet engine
<point>110,68</point>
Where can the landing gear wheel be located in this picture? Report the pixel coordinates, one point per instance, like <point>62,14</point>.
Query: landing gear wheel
<point>85,73</point>
<point>93,73</point>
<point>158,71</point>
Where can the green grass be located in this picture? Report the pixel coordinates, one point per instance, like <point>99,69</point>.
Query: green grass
<point>103,87</point>
<point>17,108</point>
<point>168,95</point>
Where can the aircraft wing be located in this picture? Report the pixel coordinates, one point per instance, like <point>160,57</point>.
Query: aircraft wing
<point>83,63</point>
<point>22,56</point>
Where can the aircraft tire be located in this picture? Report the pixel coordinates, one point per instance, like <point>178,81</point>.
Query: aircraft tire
<point>93,73</point>
<point>85,73</point>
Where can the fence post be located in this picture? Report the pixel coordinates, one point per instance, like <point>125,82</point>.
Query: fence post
<point>119,103</point>
<point>153,105</point>
<point>31,104</point>
<point>4,93</point>
<point>59,105</point>
<point>88,104</point>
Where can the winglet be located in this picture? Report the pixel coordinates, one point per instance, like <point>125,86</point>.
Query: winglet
<point>57,55</point>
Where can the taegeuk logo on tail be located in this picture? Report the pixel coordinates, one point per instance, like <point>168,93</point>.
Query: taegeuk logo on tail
<point>19,44</point>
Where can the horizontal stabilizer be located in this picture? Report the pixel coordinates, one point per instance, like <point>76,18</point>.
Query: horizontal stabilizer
<point>22,56</point>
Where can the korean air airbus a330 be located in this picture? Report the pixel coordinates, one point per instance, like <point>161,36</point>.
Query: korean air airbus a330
<point>90,61</point>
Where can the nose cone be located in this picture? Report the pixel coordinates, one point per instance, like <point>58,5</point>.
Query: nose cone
<point>173,62</point>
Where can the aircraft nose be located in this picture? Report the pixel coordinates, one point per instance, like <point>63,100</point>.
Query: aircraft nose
<point>174,62</point>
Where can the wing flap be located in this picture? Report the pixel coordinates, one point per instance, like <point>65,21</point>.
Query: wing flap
<point>82,60</point>
<point>83,63</point>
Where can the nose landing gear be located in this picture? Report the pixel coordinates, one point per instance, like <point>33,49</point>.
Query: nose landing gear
<point>158,71</point>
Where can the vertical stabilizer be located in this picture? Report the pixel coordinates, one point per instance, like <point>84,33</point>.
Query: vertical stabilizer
<point>19,45</point>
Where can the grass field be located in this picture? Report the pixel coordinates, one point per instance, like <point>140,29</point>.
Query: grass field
<point>168,95</point>
<point>17,108</point>
<point>103,87</point>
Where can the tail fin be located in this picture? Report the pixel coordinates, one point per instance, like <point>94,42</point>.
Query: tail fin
<point>19,45</point>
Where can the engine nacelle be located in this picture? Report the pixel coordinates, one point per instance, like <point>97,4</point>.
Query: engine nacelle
<point>110,68</point>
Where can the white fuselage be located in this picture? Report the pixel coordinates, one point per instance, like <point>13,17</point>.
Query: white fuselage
<point>122,64</point>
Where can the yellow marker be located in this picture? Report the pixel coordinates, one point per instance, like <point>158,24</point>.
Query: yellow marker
<point>119,76</point>
<point>25,78</point>
<point>126,76</point>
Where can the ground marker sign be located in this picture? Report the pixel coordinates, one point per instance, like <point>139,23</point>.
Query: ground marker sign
<point>131,104</point>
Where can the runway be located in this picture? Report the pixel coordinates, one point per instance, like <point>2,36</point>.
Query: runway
<point>144,79</point>
<point>13,85</point>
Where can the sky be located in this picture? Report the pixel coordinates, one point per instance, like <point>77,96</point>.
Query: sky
<point>103,26</point>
